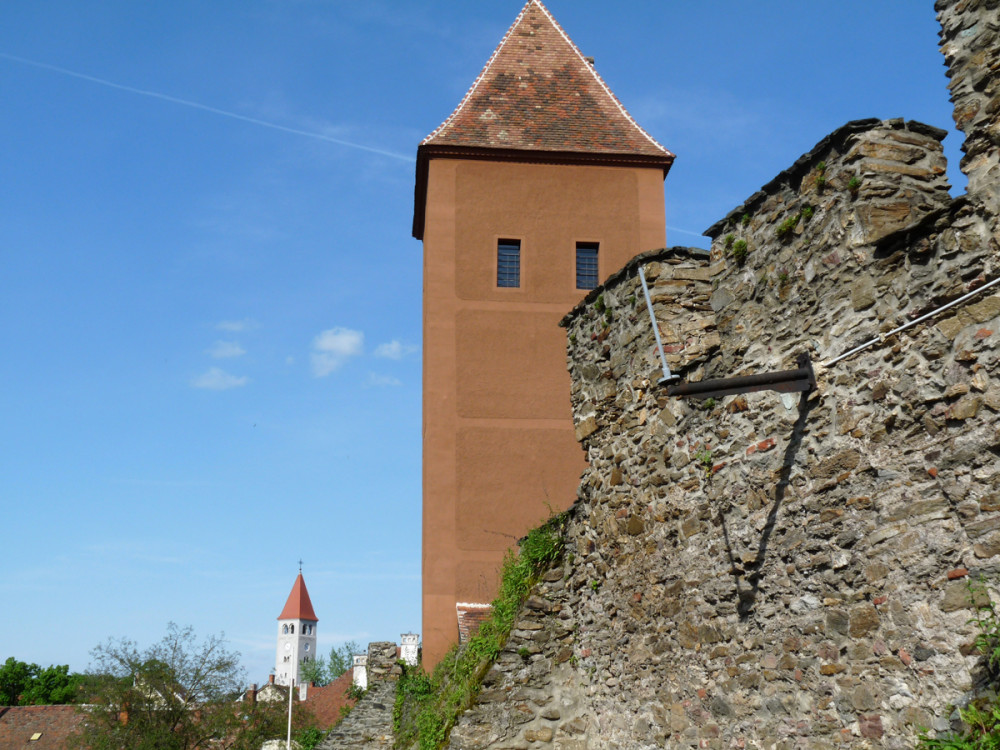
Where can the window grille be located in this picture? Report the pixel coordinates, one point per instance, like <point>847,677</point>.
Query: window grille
<point>586,265</point>
<point>509,263</point>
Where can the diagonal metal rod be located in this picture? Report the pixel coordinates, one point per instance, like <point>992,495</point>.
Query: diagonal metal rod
<point>667,375</point>
<point>903,327</point>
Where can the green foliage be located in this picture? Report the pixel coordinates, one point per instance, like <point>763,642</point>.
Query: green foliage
<point>783,277</point>
<point>740,251</point>
<point>807,212</point>
<point>595,585</point>
<point>178,694</point>
<point>708,404</point>
<point>356,692</point>
<point>427,706</point>
<point>729,240</point>
<point>704,457</point>
<point>599,304</point>
<point>982,716</point>
<point>785,228</point>
<point>309,737</point>
<point>745,220</point>
<point>854,184</point>
<point>821,175</point>
<point>23,684</point>
<point>324,671</point>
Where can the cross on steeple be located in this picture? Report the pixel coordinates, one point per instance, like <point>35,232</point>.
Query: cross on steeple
<point>300,564</point>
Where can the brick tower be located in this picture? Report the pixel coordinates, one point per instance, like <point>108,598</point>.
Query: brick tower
<point>538,185</point>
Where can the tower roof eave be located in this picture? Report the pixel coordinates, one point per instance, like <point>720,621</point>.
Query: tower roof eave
<point>426,152</point>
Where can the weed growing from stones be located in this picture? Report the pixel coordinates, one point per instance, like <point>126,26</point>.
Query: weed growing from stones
<point>785,228</point>
<point>704,457</point>
<point>740,251</point>
<point>982,716</point>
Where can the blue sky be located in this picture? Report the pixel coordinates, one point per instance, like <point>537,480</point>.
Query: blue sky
<point>210,299</point>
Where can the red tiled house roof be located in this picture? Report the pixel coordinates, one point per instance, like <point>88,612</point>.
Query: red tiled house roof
<point>52,724</point>
<point>326,702</point>
<point>538,98</point>
<point>298,606</point>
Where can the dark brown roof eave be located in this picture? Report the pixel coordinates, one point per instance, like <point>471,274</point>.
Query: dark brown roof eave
<point>428,151</point>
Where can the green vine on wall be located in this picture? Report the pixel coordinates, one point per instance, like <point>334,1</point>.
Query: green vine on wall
<point>427,706</point>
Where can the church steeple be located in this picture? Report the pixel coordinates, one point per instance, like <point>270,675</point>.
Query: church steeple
<point>298,606</point>
<point>296,633</point>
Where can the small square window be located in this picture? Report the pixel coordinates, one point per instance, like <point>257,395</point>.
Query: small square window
<point>509,263</point>
<point>586,265</point>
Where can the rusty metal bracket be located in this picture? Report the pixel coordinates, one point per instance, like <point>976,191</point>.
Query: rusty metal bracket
<point>785,381</point>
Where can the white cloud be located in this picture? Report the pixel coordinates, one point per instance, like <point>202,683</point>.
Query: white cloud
<point>333,347</point>
<point>217,379</point>
<point>394,350</point>
<point>235,326</point>
<point>378,381</point>
<point>225,349</point>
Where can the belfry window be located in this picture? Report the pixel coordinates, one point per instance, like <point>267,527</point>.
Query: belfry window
<point>509,263</point>
<point>586,265</point>
<point>284,629</point>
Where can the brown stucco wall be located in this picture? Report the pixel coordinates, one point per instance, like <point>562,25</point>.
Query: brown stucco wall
<point>499,447</point>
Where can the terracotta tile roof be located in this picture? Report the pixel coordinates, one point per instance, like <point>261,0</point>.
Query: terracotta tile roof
<point>537,100</point>
<point>298,606</point>
<point>326,702</point>
<point>538,92</point>
<point>52,724</point>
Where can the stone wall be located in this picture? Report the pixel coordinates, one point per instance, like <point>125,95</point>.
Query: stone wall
<point>970,41</point>
<point>369,725</point>
<point>768,570</point>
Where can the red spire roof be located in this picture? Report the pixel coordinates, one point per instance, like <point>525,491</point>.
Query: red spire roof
<point>298,606</point>
<point>538,92</point>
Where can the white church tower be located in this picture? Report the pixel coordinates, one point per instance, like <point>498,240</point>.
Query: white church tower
<point>296,634</point>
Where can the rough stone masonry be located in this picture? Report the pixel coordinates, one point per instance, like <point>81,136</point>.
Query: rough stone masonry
<point>770,570</point>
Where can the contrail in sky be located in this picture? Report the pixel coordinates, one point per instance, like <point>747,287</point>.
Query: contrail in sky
<point>204,107</point>
<point>685,231</point>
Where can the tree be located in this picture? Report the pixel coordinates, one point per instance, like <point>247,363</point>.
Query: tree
<point>23,684</point>
<point>52,685</point>
<point>342,659</point>
<point>324,671</point>
<point>178,694</point>
<point>15,676</point>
